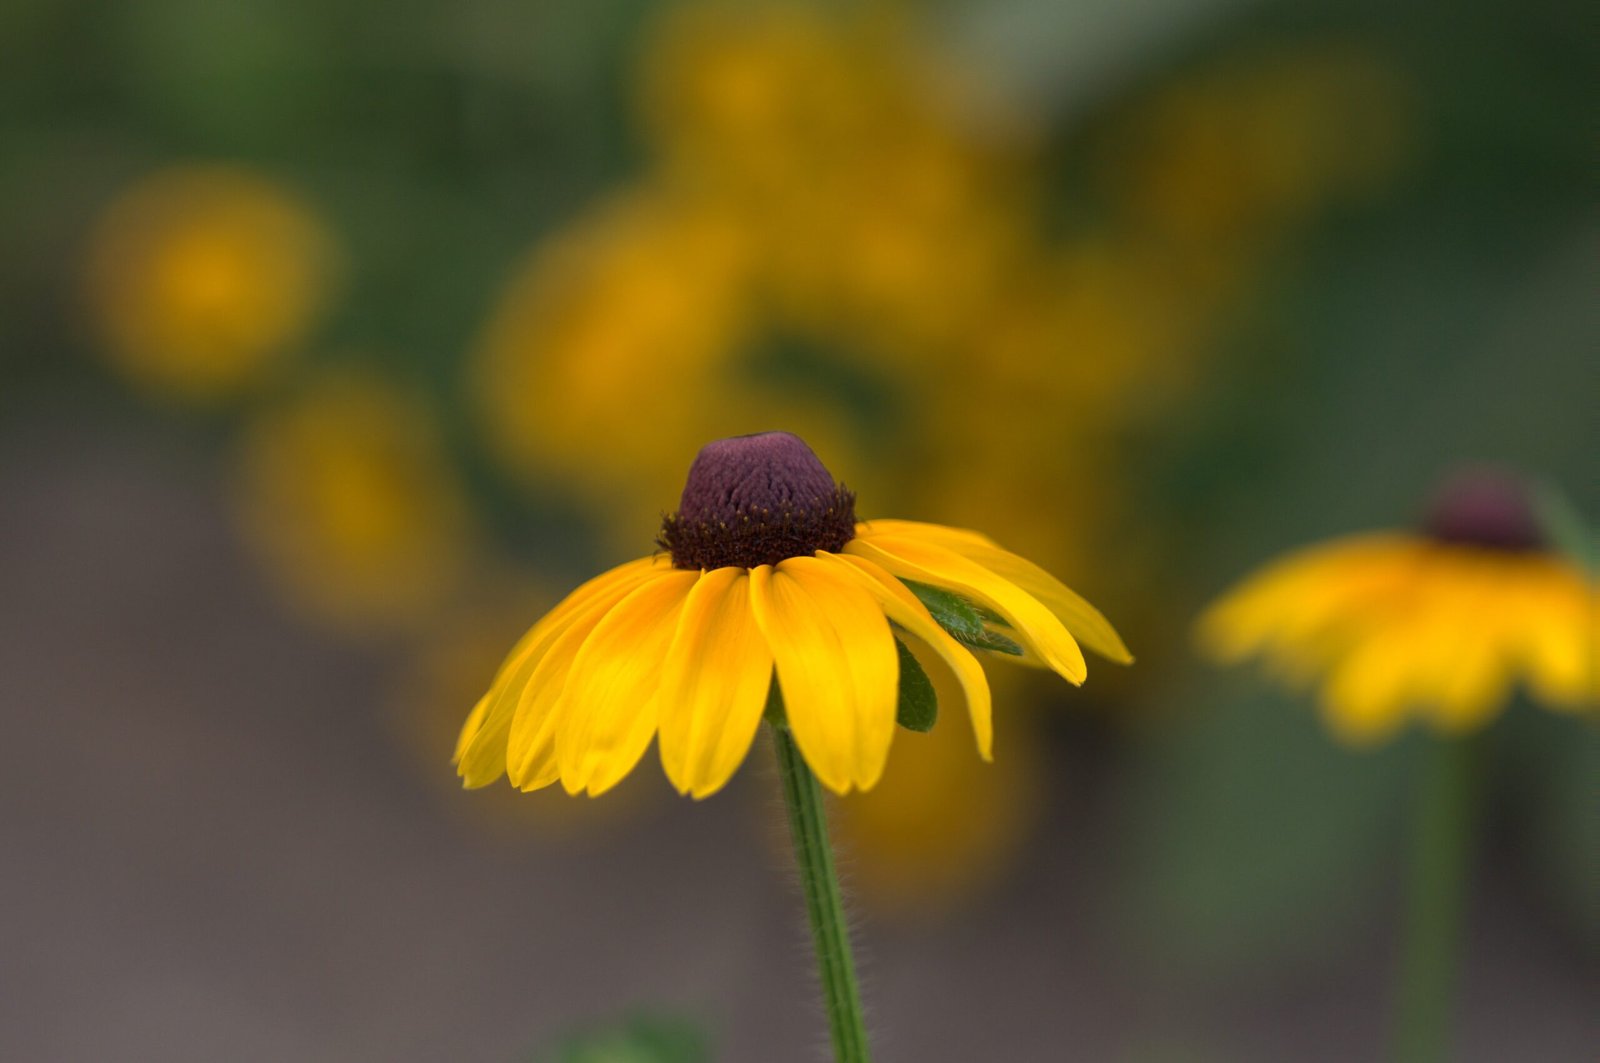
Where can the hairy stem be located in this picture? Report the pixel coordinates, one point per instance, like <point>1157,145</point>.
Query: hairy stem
<point>808,827</point>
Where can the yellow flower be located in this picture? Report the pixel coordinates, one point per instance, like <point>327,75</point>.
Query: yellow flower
<point>845,150</point>
<point>636,308</point>
<point>346,495</point>
<point>1438,625</point>
<point>201,278</point>
<point>765,572</point>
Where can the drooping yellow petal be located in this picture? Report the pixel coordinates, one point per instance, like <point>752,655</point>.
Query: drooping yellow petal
<point>1299,602</point>
<point>1086,623</point>
<point>714,684</point>
<point>608,709</point>
<point>469,730</point>
<point>837,667</point>
<point>531,748</point>
<point>1365,697</point>
<point>1037,627</point>
<point>481,752</point>
<point>902,607</point>
<point>1558,638</point>
<point>1463,661</point>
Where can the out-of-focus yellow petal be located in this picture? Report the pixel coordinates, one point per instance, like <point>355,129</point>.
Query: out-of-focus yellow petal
<point>607,712</point>
<point>482,755</point>
<point>1086,623</point>
<point>1303,599</point>
<point>1036,625</point>
<point>714,685</point>
<point>1364,699</point>
<point>1559,638</point>
<point>902,607</point>
<point>1459,649</point>
<point>469,730</point>
<point>837,667</point>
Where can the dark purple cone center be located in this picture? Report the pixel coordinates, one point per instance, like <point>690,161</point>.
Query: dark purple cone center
<point>1485,507</point>
<point>756,500</point>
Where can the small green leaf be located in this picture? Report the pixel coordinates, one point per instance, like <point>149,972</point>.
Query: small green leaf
<point>954,613</point>
<point>642,1039</point>
<point>989,615</point>
<point>918,708</point>
<point>990,640</point>
<point>962,619</point>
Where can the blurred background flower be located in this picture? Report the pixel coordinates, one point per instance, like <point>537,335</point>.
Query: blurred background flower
<point>345,495</point>
<point>203,278</point>
<point>1150,295</point>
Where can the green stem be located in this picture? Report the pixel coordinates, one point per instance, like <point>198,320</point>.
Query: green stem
<point>1435,902</point>
<point>808,826</point>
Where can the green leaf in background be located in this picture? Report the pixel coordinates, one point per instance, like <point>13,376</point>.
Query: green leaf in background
<point>1253,833</point>
<point>918,708</point>
<point>962,619</point>
<point>643,1039</point>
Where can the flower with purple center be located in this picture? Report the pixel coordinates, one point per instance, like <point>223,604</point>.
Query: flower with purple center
<point>1438,624</point>
<point>768,589</point>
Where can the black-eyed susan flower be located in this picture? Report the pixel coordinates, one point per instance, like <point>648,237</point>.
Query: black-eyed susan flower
<point>1439,625</point>
<point>766,582</point>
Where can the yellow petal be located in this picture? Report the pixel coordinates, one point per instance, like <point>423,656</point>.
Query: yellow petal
<point>1084,621</point>
<point>531,748</point>
<point>902,607</point>
<point>1365,698</point>
<point>1300,603</point>
<point>607,710</point>
<point>469,730</point>
<point>481,749</point>
<point>837,667</point>
<point>1559,639</point>
<point>1037,626</point>
<point>714,685</point>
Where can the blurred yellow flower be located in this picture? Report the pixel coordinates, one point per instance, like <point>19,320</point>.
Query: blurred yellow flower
<point>201,278</point>
<point>346,494</point>
<point>883,218</point>
<point>1230,156</point>
<point>1439,625</point>
<point>594,366</point>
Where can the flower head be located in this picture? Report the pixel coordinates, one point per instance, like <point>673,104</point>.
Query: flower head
<point>1439,625</point>
<point>767,584</point>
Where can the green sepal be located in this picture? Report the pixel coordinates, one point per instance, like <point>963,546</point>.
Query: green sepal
<point>991,640</point>
<point>774,713</point>
<point>918,707</point>
<point>962,619</point>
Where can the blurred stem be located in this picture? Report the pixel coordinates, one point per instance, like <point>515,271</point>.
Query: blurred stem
<point>1441,850</point>
<point>808,826</point>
